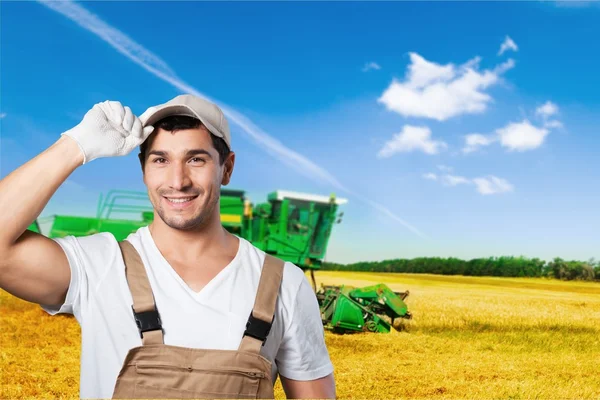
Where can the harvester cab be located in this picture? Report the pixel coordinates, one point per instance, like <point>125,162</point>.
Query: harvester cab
<point>296,227</point>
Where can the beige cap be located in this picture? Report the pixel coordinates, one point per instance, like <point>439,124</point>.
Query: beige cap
<point>192,106</point>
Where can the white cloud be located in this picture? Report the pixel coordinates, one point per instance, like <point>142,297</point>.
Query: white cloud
<point>522,136</point>
<point>518,136</point>
<point>553,124</point>
<point>484,185</point>
<point>411,138</point>
<point>452,180</point>
<point>474,141</point>
<point>2,115</point>
<point>505,66</point>
<point>444,168</point>
<point>508,44</point>
<point>422,73</point>
<point>160,69</point>
<point>441,92</point>
<point>547,110</point>
<point>370,66</point>
<point>492,185</point>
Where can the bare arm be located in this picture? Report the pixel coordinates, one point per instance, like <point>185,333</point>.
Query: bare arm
<point>323,388</point>
<point>32,266</point>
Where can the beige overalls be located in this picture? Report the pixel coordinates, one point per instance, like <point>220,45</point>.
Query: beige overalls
<point>157,370</point>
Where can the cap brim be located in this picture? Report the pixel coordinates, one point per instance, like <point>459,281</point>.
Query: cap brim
<point>169,110</point>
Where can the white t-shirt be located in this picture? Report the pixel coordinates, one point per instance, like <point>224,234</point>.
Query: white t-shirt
<point>214,318</point>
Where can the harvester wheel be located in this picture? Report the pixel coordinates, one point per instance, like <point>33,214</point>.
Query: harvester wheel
<point>371,326</point>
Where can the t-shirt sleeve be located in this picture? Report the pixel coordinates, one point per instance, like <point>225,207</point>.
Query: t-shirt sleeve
<point>303,354</point>
<point>73,299</point>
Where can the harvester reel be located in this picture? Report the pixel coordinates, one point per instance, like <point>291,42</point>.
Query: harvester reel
<point>346,309</point>
<point>371,326</point>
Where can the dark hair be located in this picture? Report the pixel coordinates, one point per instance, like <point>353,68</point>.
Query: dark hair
<point>180,122</point>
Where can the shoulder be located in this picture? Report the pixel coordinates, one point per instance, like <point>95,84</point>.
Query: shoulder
<point>95,254</point>
<point>292,274</point>
<point>91,246</point>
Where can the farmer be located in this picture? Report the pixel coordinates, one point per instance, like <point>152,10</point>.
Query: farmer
<point>181,308</point>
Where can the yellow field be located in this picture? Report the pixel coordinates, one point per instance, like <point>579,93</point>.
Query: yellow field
<point>469,338</point>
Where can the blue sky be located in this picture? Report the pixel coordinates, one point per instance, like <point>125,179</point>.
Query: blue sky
<point>453,129</point>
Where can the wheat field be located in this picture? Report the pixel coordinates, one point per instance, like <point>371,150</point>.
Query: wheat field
<point>470,337</point>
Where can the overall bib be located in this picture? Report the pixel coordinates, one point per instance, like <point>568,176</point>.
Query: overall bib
<point>157,370</point>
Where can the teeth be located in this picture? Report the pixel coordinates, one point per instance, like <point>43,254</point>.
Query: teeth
<point>179,200</point>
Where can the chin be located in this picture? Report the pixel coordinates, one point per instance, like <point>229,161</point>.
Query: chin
<point>184,224</point>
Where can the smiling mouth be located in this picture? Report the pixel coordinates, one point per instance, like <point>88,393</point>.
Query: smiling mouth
<point>180,200</point>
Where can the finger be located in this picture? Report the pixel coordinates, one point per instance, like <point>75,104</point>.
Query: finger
<point>97,106</point>
<point>147,131</point>
<point>105,109</point>
<point>128,119</point>
<point>146,114</point>
<point>117,112</point>
<point>136,130</point>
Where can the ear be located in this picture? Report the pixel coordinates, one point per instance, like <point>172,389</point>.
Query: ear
<point>228,168</point>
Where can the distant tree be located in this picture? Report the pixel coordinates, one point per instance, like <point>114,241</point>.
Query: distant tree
<point>508,266</point>
<point>587,272</point>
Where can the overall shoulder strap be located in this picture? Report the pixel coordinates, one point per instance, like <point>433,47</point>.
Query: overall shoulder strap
<point>263,313</point>
<point>144,309</point>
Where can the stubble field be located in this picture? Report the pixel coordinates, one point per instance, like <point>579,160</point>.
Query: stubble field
<point>470,337</point>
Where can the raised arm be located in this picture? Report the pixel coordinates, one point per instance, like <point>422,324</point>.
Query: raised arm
<point>32,266</point>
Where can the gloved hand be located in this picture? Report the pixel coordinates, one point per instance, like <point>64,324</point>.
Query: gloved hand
<point>108,130</point>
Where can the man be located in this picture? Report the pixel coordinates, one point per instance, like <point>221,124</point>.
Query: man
<point>201,282</point>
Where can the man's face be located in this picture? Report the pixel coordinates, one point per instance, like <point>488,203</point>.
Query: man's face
<point>184,177</point>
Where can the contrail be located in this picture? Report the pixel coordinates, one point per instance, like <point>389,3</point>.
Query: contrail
<point>159,68</point>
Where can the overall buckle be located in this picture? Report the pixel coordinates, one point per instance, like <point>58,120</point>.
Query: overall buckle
<point>147,321</point>
<point>257,328</point>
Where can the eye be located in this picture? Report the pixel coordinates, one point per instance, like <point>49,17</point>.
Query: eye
<point>156,160</point>
<point>197,159</point>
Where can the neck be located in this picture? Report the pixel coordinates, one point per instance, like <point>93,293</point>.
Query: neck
<point>189,246</point>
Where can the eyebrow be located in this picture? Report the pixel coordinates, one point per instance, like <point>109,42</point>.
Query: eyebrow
<point>188,153</point>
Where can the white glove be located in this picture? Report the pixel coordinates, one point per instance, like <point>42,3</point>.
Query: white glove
<point>108,130</point>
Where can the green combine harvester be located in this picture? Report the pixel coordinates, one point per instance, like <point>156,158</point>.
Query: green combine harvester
<point>294,227</point>
<point>374,308</point>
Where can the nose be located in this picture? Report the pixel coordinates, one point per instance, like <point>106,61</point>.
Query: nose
<point>179,178</point>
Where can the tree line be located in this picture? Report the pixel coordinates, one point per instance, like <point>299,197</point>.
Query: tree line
<point>505,266</point>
